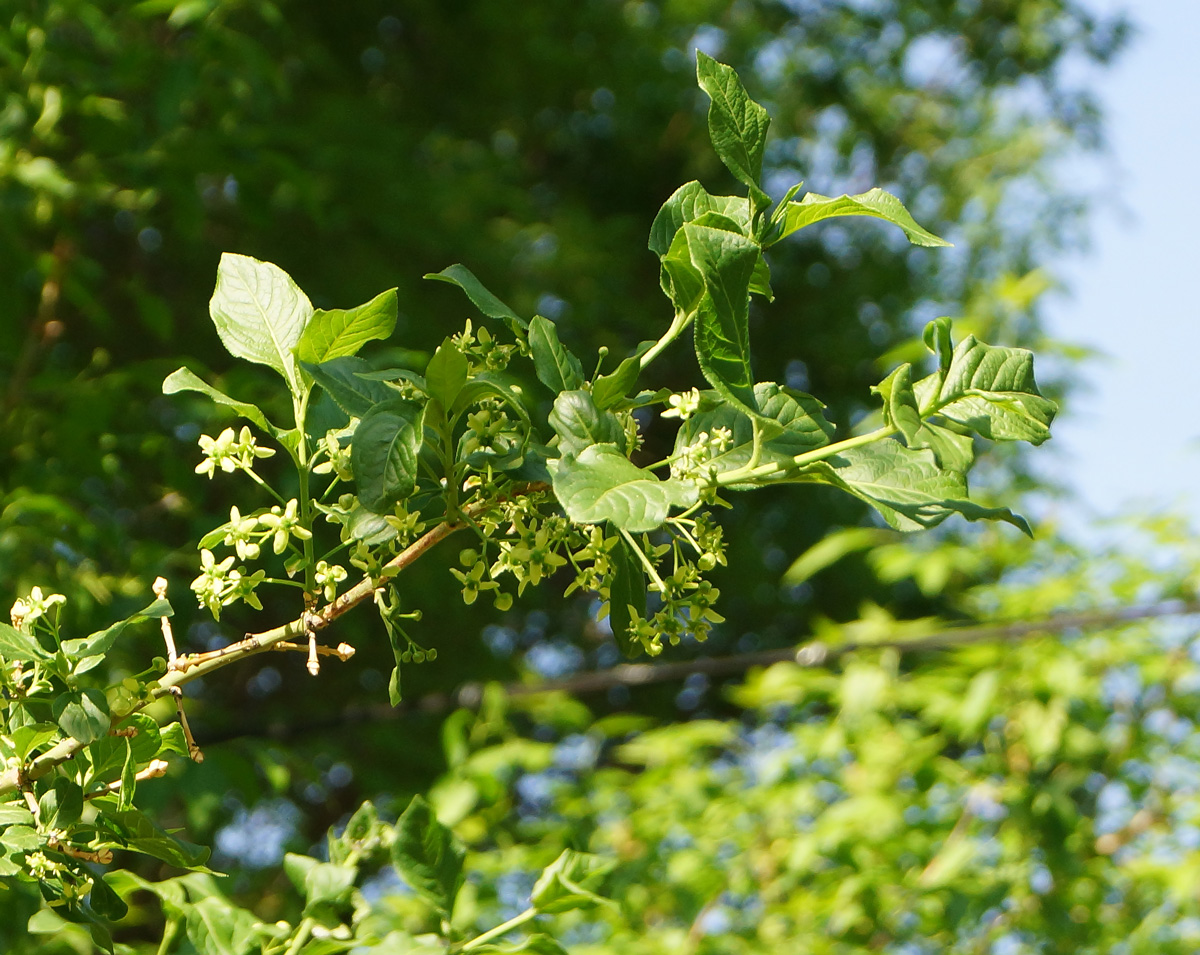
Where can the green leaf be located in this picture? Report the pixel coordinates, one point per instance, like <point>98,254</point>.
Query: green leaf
<point>905,485</point>
<point>679,278</point>
<point>899,403</point>
<point>687,204</point>
<point>351,391</point>
<point>830,549</point>
<point>736,124</point>
<point>340,332</point>
<point>952,450</point>
<point>26,739</point>
<point>14,814</point>
<point>556,367</point>
<point>183,380</point>
<point>395,693</point>
<point>99,643</point>
<point>483,300</point>
<point>17,645</point>
<point>61,806</point>
<point>608,390</point>
<point>427,856</point>
<point>727,262</point>
<point>137,832</point>
<point>260,314</point>
<point>601,484</point>
<point>217,927</point>
<point>876,203</point>
<point>105,902</point>
<point>128,778</point>
<point>579,423</point>
<point>799,416</point>
<point>446,373</point>
<point>383,453</point>
<point>326,884</point>
<point>533,945</point>
<point>990,390</point>
<point>83,714</point>
<point>627,597</point>
<point>569,882</point>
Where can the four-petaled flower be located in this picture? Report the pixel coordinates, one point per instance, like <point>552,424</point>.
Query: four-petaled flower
<point>284,522</point>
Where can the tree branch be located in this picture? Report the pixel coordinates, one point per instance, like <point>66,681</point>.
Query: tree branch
<point>193,666</point>
<point>815,654</point>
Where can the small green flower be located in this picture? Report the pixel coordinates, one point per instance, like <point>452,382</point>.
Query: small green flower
<point>284,523</point>
<point>212,583</point>
<point>328,576</point>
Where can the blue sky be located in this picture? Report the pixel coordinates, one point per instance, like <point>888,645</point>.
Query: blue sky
<point>1133,441</point>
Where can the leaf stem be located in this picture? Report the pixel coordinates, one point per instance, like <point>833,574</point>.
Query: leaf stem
<point>301,937</point>
<point>650,568</point>
<point>306,507</point>
<point>678,324</point>
<point>749,474</point>
<point>503,928</point>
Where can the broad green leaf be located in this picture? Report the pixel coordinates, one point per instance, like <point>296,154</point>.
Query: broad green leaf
<point>351,391</point>
<point>990,390</point>
<point>688,203</point>
<point>627,597</point>
<point>483,300</point>
<point>569,882</point>
<point>14,814</point>
<point>798,415</point>
<point>99,643</point>
<point>427,856</point>
<point>608,390</point>
<point>446,373</point>
<point>876,203</point>
<point>905,485</point>
<point>260,314</point>
<point>952,450</point>
<point>383,453</point>
<point>343,331</point>
<point>580,424</point>
<point>18,645</point>
<point>493,384</point>
<point>109,755</point>
<point>26,739</point>
<point>736,124</point>
<point>899,403</point>
<point>183,380</point>
<point>217,927</point>
<point>600,484</point>
<point>83,714</point>
<point>106,903</point>
<point>727,262</point>
<point>556,367</point>
<point>326,884</point>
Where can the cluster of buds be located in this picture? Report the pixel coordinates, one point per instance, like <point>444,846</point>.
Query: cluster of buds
<point>690,460</point>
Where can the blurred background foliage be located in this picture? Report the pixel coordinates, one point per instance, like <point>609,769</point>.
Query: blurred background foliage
<point>931,802</point>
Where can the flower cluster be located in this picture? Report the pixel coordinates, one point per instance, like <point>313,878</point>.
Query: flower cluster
<point>221,584</point>
<point>229,452</point>
<point>28,609</point>
<point>482,349</point>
